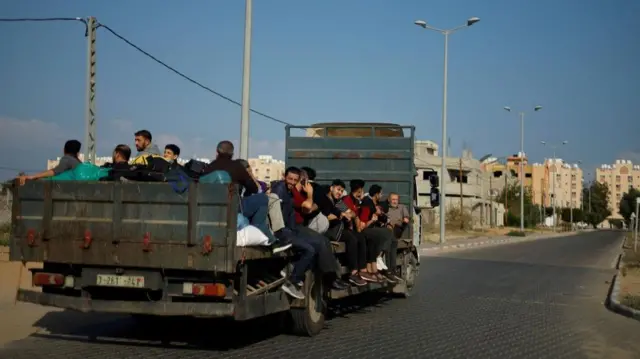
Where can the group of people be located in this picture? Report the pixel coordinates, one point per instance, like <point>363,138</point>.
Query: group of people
<point>294,213</point>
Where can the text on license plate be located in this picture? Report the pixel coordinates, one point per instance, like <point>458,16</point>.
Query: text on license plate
<point>120,281</point>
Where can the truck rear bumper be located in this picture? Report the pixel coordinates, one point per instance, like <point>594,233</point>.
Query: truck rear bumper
<point>127,307</point>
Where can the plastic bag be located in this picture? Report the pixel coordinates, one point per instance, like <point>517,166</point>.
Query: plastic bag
<point>216,177</point>
<point>82,172</point>
<point>251,236</point>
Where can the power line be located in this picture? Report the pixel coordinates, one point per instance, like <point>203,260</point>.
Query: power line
<point>206,88</point>
<point>28,19</point>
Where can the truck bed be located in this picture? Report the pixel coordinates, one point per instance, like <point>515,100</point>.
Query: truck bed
<point>128,224</point>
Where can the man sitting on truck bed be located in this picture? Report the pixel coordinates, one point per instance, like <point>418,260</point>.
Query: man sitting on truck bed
<point>68,161</point>
<point>373,227</point>
<point>145,147</point>
<point>119,163</point>
<point>353,202</point>
<point>254,206</point>
<point>304,242</point>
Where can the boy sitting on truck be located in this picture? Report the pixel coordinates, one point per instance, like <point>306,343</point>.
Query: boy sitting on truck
<point>68,162</point>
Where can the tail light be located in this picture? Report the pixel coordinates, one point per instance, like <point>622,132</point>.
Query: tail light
<point>206,245</point>
<point>205,289</point>
<point>31,237</point>
<point>86,242</point>
<point>48,279</point>
<point>146,242</point>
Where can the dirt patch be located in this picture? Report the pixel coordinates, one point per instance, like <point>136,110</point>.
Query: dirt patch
<point>630,275</point>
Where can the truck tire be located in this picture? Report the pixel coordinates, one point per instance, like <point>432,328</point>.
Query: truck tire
<point>309,320</point>
<point>410,270</point>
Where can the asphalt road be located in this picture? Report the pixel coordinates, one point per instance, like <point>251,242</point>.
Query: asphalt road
<point>537,299</point>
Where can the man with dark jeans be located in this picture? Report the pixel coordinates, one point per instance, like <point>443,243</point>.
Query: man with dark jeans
<point>306,245</point>
<point>302,194</point>
<point>388,244</point>
<point>352,202</point>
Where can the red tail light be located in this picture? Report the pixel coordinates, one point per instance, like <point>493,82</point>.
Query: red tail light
<point>86,243</point>
<point>206,245</point>
<point>31,237</point>
<point>209,289</point>
<point>42,279</point>
<point>146,242</point>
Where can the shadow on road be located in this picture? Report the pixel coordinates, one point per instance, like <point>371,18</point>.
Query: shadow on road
<point>183,332</point>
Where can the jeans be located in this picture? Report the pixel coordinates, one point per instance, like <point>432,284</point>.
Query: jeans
<point>326,261</point>
<point>275,213</point>
<point>386,243</point>
<point>256,208</point>
<point>301,246</point>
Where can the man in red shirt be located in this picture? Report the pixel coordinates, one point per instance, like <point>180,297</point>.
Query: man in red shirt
<point>364,218</point>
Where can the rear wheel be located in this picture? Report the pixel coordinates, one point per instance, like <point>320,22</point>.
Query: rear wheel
<point>410,271</point>
<point>309,320</point>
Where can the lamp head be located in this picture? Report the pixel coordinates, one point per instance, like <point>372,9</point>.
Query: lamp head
<point>472,20</point>
<point>507,108</point>
<point>537,108</point>
<point>421,23</point>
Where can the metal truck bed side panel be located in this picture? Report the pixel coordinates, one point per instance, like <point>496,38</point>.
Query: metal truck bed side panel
<point>125,224</point>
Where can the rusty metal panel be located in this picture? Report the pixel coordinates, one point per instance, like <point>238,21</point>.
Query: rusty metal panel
<point>127,224</point>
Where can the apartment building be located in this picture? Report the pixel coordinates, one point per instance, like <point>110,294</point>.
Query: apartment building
<point>266,168</point>
<point>537,177</point>
<point>619,177</point>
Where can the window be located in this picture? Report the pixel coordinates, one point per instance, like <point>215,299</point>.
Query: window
<point>630,178</point>
<point>617,187</point>
<point>617,178</point>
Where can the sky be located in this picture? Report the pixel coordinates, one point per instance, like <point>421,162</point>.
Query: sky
<point>325,61</point>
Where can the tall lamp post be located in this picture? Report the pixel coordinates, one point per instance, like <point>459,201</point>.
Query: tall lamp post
<point>246,82</point>
<point>554,147</point>
<point>443,170</point>
<point>522,176</point>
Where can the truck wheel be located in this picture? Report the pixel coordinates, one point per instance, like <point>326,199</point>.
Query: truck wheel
<point>410,271</point>
<point>309,321</point>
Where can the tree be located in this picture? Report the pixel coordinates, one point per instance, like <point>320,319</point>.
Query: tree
<point>578,216</point>
<point>628,204</point>
<point>531,211</point>
<point>599,210</point>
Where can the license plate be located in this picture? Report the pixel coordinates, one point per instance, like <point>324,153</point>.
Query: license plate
<point>120,281</point>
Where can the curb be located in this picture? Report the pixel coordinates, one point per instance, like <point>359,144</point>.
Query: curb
<point>612,299</point>
<point>615,305</point>
<point>489,242</point>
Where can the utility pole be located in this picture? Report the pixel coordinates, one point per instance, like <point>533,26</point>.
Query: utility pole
<point>461,198</point>
<point>483,209</point>
<point>635,232</point>
<point>492,222</point>
<point>246,83</point>
<point>90,114</point>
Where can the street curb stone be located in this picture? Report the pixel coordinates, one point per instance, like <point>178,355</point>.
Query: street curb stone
<point>612,299</point>
<point>491,241</point>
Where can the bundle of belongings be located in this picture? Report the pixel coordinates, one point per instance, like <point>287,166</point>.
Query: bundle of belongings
<point>154,168</point>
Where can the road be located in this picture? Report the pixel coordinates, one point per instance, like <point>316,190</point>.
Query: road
<point>536,299</point>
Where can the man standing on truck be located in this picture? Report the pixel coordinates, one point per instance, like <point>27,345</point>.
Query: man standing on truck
<point>67,162</point>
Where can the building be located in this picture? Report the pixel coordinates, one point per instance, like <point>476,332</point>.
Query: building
<point>465,184</point>
<point>266,168</point>
<point>568,184</point>
<point>619,177</point>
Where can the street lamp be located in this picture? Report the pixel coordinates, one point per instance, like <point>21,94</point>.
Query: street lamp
<point>553,193</point>
<point>535,109</point>
<point>246,83</point>
<point>443,170</point>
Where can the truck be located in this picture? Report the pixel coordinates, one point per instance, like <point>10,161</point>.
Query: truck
<point>142,248</point>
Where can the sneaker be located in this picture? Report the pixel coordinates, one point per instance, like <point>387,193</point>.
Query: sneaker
<point>278,247</point>
<point>380,263</point>
<point>293,290</point>
<point>339,285</point>
<point>357,280</point>
<point>368,277</point>
<point>287,269</point>
<point>390,278</point>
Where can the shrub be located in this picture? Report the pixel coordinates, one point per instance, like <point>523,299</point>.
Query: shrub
<point>516,234</point>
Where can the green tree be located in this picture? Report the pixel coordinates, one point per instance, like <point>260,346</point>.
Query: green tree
<point>599,209</point>
<point>628,204</point>
<point>578,215</point>
<point>531,211</point>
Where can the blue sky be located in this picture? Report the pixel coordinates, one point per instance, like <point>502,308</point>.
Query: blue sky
<point>330,60</point>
